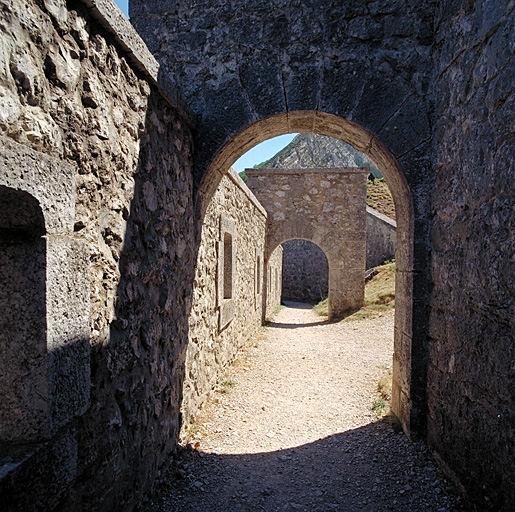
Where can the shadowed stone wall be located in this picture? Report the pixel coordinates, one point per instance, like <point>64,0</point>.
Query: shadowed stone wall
<point>471,385</point>
<point>381,238</point>
<point>327,207</point>
<point>220,326</point>
<point>305,271</point>
<point>107,157</point>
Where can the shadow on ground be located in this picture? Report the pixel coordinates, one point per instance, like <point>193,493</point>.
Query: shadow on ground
<point>372,468</point>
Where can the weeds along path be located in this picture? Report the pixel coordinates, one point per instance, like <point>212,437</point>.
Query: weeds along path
<point>292,428</point>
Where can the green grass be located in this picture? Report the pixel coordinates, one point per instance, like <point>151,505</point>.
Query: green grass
<point>381,405</point>
<point>226,386</point>
<point>379,295</point>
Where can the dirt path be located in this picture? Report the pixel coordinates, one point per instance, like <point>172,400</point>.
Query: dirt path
<point>295,430</point>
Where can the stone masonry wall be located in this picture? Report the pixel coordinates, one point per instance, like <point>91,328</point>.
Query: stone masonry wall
<point>381,238</point>
<point>213,344</point>
<point>71,92</point>
<point>274,268</point>
<point>357,70</point>
<point>305,271</point>
<point>471,377</point>
<point>327,207</point>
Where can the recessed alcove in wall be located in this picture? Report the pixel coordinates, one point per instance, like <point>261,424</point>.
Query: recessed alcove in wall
<point>305,272</point>
<point>24,404</point>
<point>44,297</point>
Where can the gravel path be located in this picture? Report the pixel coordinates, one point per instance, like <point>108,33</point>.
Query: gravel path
<point>295,430</point>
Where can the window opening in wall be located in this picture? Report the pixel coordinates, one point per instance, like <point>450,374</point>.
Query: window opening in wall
<point>258,275</point>
<point>227,266</point>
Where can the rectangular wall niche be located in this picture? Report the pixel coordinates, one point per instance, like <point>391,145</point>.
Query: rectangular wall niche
<point>257,278</point>
<point>226,270</point>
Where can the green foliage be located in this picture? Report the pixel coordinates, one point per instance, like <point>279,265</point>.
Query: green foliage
<point>243,176</point>
<point>227,385</point>
<point>380,407</point>
<point>322,308</point>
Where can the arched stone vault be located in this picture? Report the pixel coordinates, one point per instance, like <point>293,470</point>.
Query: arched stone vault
<point>328,208</point>
<point>409,372</point>
<point>346,70</point>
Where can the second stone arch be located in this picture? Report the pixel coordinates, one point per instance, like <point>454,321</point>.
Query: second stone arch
<point>328,208</point>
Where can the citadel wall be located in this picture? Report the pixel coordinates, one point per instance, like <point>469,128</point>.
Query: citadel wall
<point>471,376</point>
<point>433,106</point>
<point>305,269</point>
<point>326,207</point>
<point>355,71</point>
<point>220,325</point>
<point>106,156</point>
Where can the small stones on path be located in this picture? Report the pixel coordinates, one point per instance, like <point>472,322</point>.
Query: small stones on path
<point>297,431</point>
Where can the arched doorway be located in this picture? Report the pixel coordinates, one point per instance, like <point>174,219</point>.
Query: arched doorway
<point>408,401</point>
<point>305,272</point>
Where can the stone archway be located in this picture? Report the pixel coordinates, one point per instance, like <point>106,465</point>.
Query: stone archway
<point>409,364</point>
<point>252,70</point>
<point>305,272</point>
<point>327,207</point>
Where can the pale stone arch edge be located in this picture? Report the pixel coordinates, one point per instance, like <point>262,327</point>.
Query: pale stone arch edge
<point>365,141</point>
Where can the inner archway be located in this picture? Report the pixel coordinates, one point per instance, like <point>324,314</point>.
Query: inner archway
<point>305,272</point>
<point>405,380</point>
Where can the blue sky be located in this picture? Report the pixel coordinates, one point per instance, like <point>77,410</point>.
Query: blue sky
<point>262,152</point>
<point>257,154</point>
<point>124,6</point>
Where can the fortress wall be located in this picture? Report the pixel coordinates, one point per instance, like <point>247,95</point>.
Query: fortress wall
<point>106,120</point>
<point>305,271</point>
<point>381,238</point>
<point>220,326</point>
<point>274,269</point>
<point>471,394</point>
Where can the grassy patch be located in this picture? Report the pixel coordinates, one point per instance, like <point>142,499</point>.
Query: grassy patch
<point>379,295</point>
<point>227,385</point>
<point>276,311</point>
<point>322,308</point>
<point>381,405</point>
<point>380,198</point>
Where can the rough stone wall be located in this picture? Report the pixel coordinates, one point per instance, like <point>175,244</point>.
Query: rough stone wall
<point>471,377</point>
<point>274,266</point>
<point>381,238</point>
<point>327,207</point>
<point>305,271</point>
<point>354,70</point>
<point>213,345</point>
<point>69,90</point>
